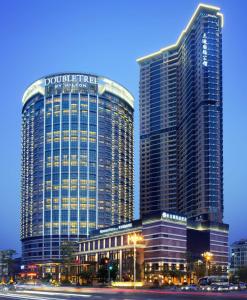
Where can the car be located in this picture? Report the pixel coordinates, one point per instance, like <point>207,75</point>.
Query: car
<point>214,287</point>
<point>189,287</point>
<point>233,287</point>
<point>5,287</point>
<point>20,286</point>
<point>24,286</point>
<point>223,288</point>
<point>206,288</point>
<point>242,286</point>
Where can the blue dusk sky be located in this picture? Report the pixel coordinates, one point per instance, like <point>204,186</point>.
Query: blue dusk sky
<point>106,37</point>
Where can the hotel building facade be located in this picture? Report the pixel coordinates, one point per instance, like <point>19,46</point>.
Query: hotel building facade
<point>181,141</point>
<point>77,161</point>
<point>163,243</point>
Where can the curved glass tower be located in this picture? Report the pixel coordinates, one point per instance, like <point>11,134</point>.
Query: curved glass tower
<point>77,160</point>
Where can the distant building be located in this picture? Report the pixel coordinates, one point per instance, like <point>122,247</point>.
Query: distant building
<point>238,255</point>
<point>181,132</point>
<point>77,161</point>
<point>3,263</point>
<point>9,265</point>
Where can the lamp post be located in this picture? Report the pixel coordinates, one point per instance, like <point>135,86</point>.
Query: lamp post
<point>208,257</point>
<point>134,238</point>
<point>109,271</point>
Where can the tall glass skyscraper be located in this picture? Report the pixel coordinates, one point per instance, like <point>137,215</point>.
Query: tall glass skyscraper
<point>77,160</point>
<point>181,153</point>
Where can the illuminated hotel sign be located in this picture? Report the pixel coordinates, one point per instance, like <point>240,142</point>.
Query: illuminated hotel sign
<point>71,83</point>
<point>166,215</point>
<point>115,228</point>
<point>204,50</point>
<point>71,78</point>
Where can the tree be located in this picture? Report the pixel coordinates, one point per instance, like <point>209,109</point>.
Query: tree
<point>68,248</point>
<point>47,278</point>
<point>191,263</point>
<point>87,275</point>
<point>113,270</point>
<point>173,273</point>
<point>166,271</point>
<point>242,274</point>
<point>199,269</point>
<point>102,273</point>
<point>216,270</point>
<point>107,270</point>
<point>233,278</point>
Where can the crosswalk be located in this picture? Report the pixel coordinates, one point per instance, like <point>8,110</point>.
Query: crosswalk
<point>40,295</point>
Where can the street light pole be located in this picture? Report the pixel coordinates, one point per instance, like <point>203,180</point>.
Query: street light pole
<point>134,238</point>
<point>206,273</point>
<point>109,273</point>
<point>208,257</point>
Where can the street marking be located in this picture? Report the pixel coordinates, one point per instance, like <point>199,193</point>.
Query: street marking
<point>25,297</point>
<point>54,293</point>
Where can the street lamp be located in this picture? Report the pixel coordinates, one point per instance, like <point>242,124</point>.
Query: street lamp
<point>133,239</point>
<point>208,256</point>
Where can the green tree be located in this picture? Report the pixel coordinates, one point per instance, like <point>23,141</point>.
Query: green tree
<point>199,269</point>
<point>102,273</point>
<point>68,248</point>
<point>47,278</point>
<point>233,278</point>
<point>87,275</point>
<point>113,270</point>
<point>166,271</point>
<point>242,274</point>
<point>216,270</point>
<point>191,264</point>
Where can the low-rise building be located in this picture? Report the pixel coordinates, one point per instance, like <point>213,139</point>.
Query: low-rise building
<point>9,266</point>
<point>159,244</point>
<point>238,255</point>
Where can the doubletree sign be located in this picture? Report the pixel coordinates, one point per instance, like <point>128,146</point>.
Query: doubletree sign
<point>71,78</point>
<point>70,83</point>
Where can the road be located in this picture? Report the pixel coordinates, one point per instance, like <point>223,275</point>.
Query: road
<point>124,294</point>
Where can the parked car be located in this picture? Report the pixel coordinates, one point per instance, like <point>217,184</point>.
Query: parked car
<point>207,288</point>
<point>242,286</point>
<point>233,287</point>
<point>214,287</point>
<point>189,287</point>
<point>223,288</point>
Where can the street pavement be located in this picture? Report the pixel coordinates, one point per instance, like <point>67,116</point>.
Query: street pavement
<point>124,294</point>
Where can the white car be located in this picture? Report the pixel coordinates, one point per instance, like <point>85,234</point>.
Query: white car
<point>223,288</point>
<point>233,287</point>
<point>206,288</point>
<point>189,287</point>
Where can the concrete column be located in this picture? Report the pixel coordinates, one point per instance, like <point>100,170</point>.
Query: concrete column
<point>97,262</point>
<point>120,265</point>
